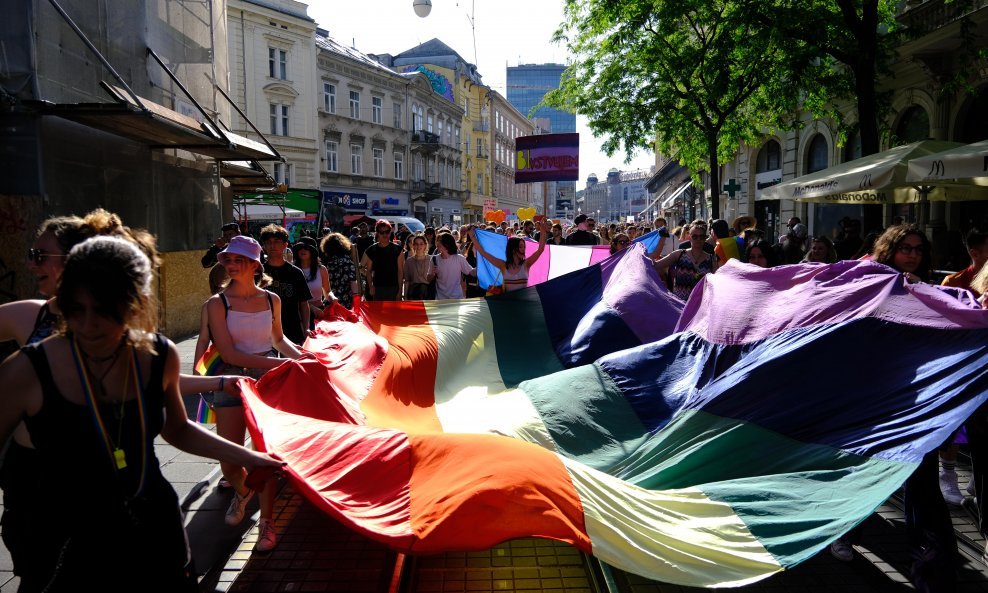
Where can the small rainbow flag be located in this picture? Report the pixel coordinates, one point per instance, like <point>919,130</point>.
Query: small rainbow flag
<point>205,414</point>
<point>210,361</point>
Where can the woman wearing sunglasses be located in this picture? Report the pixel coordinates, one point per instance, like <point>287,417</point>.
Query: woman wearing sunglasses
<point>619,241</point>
<point>687,266</point>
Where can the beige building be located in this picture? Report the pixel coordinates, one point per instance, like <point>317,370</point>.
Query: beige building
<point>507,124</point>
<point>273,81</point>
<point>390,141</point>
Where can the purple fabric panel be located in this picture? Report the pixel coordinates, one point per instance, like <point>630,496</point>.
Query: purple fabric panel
<point>633,289</point>
<point>742,303</point>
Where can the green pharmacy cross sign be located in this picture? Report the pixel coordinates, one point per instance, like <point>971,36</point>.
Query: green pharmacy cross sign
<point>732,187</point>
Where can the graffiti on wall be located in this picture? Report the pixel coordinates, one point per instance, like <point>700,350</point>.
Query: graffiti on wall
<point>440,84</point>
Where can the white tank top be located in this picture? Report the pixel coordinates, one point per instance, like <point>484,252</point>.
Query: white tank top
<point>315,286</point>
<point>250,332</point>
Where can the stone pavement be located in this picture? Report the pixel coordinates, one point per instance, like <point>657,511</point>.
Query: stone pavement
<point>316,553</point>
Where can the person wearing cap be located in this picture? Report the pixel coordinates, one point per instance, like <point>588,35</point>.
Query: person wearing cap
<point>581,236</point>
<point>794,246</point>
<point>227,232</point>
<point>288,282</point>
<point>245,325</point>
<point>384,265</point>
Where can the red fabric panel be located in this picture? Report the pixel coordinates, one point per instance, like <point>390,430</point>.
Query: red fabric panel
<point>355,473</point>
<point>511,488</point>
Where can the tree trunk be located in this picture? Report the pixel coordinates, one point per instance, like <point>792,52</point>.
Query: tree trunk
<point>714,177</point>
<point>864,86</point>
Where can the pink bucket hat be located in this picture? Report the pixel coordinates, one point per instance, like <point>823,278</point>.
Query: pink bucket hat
<point>242,245</point>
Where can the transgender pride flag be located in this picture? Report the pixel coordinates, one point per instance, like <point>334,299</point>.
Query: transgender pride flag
<point>554,262</point>
<point>789,404</point>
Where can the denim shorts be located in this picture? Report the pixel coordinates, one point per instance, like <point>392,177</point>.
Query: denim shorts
<point>222,399</point>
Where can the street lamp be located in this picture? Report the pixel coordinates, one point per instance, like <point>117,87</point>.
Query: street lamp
<point>422,7</point>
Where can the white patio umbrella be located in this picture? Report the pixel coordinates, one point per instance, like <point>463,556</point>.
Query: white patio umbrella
<point>879,178</point>
<point>964,165</point>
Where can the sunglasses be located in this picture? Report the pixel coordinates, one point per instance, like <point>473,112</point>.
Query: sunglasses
<point>38,256</point>
<point>623,242</point>
<point>908,249</point>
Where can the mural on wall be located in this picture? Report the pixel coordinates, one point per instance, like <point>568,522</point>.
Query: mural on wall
<point>440,84</point>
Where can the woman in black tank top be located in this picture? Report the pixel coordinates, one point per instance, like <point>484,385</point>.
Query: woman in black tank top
<point>94,399</point>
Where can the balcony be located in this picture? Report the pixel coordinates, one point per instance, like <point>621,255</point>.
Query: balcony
<point>931,15</point>
<point>421,137</point>
<point>425,191</point>
<point>481,126</point>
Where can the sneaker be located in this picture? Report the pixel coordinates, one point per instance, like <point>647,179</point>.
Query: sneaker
<point>238,506</point>
<point>267,539</point>
<point>842,550</point>
<point>948,486</point>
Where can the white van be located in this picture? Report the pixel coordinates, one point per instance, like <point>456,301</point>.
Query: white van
<point>415,225</point>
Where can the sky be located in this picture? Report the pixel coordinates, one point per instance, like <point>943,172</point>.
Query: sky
<point>507,33</point>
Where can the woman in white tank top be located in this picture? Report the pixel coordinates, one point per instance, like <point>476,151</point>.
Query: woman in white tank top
<point>245,326</point>
<point>514,267</point>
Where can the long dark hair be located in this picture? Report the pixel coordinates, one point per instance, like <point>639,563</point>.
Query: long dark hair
<point>888,243</point>
<point>509,252</point>
<point>313,270</point>
<point>448,242</point>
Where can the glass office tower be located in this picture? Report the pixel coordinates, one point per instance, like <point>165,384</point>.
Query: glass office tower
<point>527,84</point>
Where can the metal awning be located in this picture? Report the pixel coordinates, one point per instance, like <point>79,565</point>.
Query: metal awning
<point>157,126</point>
<point>246,176</point>
<point>668,202</point>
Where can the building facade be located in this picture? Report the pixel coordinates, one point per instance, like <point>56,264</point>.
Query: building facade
<point>273,80</point>
<point>527,85</point>
<point>622,196</point>
<point>390,140</point>
<point>155,149</point>
<point>507,124</point>
<point>921,108</point>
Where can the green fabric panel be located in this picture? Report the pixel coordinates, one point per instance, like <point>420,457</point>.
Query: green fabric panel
<point>588,418</point>
<point>524,350</point>
<point>794,497</point>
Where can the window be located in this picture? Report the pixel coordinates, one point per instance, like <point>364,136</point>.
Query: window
<point>439,129</point>
<point>449,134</point>
<point>377,110</point>
<point>458,138</point>
<point>466,106</point>
<point>399,166</point>
<point>356,159</point>
<point>468,144</point>
<point>418,167</point>
<point>769,157</point>
<point>816,154</point>
<point>416,118</point>
<point>428,125</point>
<point>914,125</point>
<point>332,156</point>
<point>279,119</point>
<point>277,63</point>
<point>283,173</point>
<point>378,162</point>
<point>329,97</point>
<point>480,183</point>
<point>355,104</point>
<point>397,110</point>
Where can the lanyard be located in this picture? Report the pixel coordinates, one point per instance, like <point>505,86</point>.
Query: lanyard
<point>116,454</point>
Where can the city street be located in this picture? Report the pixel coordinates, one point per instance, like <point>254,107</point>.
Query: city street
<point>316,553</point>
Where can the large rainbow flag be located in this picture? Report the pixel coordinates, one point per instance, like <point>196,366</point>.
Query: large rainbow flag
<point>555,261</point>
<point>786,407</point>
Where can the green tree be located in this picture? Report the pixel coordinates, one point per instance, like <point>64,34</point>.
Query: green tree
<point>698,76</point>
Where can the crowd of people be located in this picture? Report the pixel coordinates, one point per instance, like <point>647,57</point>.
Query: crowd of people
<point>94,383</point>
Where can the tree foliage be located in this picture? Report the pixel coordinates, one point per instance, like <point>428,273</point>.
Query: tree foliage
<point>698,76</point>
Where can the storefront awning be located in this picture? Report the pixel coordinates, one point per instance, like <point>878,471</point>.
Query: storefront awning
<point>668,202</point>
<point>159,127</point>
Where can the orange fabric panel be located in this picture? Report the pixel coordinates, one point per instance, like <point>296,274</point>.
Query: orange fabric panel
<point>403,393</point>
<point>512,488</point>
